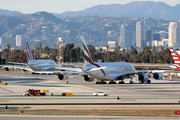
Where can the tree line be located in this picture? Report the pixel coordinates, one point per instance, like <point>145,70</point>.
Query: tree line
<point>75,54</point>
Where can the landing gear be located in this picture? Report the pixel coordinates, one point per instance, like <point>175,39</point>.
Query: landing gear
<point>121,82</point>
<point>131,82</point>
<point>149,81</point>
<point>100,82</point>
<point>112,82</point>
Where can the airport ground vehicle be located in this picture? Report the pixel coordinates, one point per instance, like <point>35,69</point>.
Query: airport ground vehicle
<point>100,94</point>
<point>33,92</point>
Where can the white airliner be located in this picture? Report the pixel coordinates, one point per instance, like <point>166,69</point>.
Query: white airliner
<point>40,66</point>
<point>113,71</point>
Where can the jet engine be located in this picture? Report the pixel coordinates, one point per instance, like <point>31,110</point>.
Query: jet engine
<point>7,69</point>
<point>143,77</point>
<point>63,76</point>
<point>157,76</point>
<point>88,79</point>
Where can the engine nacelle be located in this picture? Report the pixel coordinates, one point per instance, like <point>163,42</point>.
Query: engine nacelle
<point>158,76</point>
<point>63,76</point>
<point>7,69</point>
<point>88,79</point>
<point>143,77</point>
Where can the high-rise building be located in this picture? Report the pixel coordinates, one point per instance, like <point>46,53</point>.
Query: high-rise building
<point>140,34</point>
<point>112,45</point>
<point>149,37</point>
<point>18,40</point>
<point>157,36</point>
<point>164,35</point>
<point>126,36</point>
<point>0,41</point>
<point>165,43</point>
<point>174,34</point>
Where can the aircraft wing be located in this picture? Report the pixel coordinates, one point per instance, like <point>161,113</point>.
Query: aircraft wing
<point>120,76</point>
<point>69,68</point>
<point>17,63</point>
<point>59,72</point>
<point>21,67</point>
<point>153,71</point>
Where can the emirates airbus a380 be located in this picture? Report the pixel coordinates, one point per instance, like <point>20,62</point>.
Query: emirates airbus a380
<point>40,67</point>
<point>113,71</point>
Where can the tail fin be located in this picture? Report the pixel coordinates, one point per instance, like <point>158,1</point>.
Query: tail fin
<point>175,55</point>
<point>29,54</point>
<point>87,56</point>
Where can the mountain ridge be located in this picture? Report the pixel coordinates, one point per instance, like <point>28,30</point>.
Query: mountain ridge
<point>9,12</point>
<point>159,10</point>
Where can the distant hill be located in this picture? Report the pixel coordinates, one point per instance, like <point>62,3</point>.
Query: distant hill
<point>8,12</point>
<point>136,9</point>
<point>7,22</point>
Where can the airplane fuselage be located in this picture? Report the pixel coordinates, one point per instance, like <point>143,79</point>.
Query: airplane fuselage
<point>108,71</point>
<point>41,65</point>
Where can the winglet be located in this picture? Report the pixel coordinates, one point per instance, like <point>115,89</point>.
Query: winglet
<point>29,54</point>
<point>87,55</point>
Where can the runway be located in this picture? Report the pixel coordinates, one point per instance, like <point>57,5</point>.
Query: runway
<point>159,95</point>
<point>83,117</point>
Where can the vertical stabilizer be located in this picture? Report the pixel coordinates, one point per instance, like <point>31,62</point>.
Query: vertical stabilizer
<point>87,56</point>
<point>175,56</point>
<point>29,54</point>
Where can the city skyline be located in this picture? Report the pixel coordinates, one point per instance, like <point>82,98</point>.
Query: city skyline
<point>59,6</point>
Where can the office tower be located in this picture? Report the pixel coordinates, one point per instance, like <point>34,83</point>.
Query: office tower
<point>157,36</point>
<point>0,41</point>
<point>149,37</point>
<point>112,45</point>
<point>140,34</point>
<point>165,43</point>
<point>174,34</point>
<point>18,40</point>
<point>126,36</point>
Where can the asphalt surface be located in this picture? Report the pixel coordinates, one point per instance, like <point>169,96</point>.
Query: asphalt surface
<point>160,94</point>
<point>79,117</point>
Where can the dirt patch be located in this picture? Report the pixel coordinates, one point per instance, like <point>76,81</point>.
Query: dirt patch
<point>96,112</point>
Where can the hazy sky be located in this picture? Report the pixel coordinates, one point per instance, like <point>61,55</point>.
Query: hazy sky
<point>59,6</point>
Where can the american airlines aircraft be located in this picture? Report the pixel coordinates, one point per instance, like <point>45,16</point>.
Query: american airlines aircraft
<point>41,66</point>
<point>113,71</point>
<point>176,58</point>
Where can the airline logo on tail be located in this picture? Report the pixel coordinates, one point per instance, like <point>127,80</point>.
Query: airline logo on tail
<point>176,57</point>
<point>87,55</point>
<point>29,54</point>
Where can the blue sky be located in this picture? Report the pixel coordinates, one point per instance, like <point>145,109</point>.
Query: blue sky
<point>60,6</point>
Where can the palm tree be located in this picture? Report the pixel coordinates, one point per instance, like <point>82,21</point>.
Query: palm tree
<point>162,48</point>
<point>118,47</point>
<point>39,49</point>
<point>107,47</point>
<point>124,51</point>
<point>8,46</point>
<point>100,49</point>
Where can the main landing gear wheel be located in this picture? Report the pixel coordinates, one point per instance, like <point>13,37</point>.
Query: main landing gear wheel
<point>112,82</point>
<point>131,82</point>
<point>100,82</point>
<point>121,82</point>
<point>142,81</point>
<point>149,81</point>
